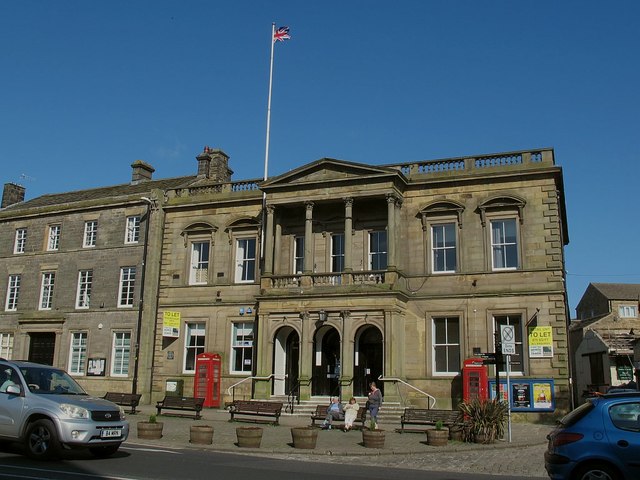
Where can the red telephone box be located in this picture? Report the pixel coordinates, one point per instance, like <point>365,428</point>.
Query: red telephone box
<point>475,380</point>
<point>207,380</point>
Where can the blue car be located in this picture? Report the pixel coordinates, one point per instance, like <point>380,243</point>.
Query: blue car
<point>598,440</point>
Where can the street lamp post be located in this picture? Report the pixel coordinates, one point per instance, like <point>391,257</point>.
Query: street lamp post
<point>136,358</point>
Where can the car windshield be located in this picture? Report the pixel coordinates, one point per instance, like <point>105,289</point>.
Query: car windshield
<point>50,381</point>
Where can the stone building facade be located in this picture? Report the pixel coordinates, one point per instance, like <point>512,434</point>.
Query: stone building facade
<point>312,283</point>
<point>353,273</point>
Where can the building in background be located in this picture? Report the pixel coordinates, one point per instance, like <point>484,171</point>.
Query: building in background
<point>603,337</point>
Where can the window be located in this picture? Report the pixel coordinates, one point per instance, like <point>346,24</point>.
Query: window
<point>46,290</point>
<point>443,247</point>
<point>516,361</point>
<point>127,284</point>
<point>193,345</point>
<point>13,289</point>
<point>90,234</point>
<point>628,311</point>
<point>21,241</point>
<point>85,279</point>
<point>132,234</point>
<point>245,260</point>
<point>504,244</point>
<point>121,354</point>
<point>298,255</point>
<point>242,347</point>
<point>199,272</point>
<point>6,345</point>
<point>378,250</point>
<point>78,353</point>
<point>446,345</point>
<point>53,242</point>
<point>337,252</point>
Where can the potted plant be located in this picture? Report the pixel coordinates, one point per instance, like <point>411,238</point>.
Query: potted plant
<point>202,434</point>
<point>151,429</point>
<point>484,420</point>
<point>372,437</point>
<point>304,437</point>
<point>438,436</point>
<point>249,437</point>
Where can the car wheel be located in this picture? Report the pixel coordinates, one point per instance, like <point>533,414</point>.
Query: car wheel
<point>104,452</point>
<point>41,440</point>
<point>596,471</point>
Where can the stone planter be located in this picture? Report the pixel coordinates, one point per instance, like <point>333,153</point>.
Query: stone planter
<point>373,438</point>
<point>456,433</point>
<point>304,437</point>
<point>202,434</point>
<point>438,438</point>
<point>149,430</point>
<point>483,438</point>
<point>249,437</point>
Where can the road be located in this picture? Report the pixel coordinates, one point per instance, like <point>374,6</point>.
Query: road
<point>135,462</point>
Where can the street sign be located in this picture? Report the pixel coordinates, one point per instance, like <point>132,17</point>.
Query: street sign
<point>508,337</point>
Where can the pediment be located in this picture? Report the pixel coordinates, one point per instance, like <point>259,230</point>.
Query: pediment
<point>330,170</point>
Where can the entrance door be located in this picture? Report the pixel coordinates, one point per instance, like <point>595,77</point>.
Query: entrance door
<point>326,362</point>
<point>42,346</point>
<point>368,361</point>
<point>286,352</point>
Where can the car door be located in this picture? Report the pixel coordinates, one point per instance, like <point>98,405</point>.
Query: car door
<point>623,432</point>
<point>11,405</point>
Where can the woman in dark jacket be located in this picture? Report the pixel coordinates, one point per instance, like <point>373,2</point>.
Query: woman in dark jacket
<point>374,402</point>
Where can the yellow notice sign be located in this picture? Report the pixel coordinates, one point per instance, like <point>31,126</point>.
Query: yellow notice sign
<point>171,324</point>
<point>540,342</point>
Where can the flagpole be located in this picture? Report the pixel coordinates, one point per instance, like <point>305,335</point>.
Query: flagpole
<point>266,149</point>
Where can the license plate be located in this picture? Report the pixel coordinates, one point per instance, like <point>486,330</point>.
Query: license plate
<point>110,433</point>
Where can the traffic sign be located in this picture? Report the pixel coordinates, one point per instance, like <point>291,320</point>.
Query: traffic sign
<point>508,337</point>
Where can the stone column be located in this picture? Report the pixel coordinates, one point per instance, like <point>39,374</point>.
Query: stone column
<point>277,254</point>
<point>346,355</point>
<point>308,239</point>
<point>305,356</point>
<point>268,242</point>
<point>348,233</point>
<point>391,231</point>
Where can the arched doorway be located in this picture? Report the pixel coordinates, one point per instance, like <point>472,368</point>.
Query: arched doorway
<point>286,356</point>
<point>368,360</point>
<point>326,362</point>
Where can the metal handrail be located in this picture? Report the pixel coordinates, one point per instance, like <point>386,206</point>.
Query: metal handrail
<point>232,389</point>
<point>391,379</point>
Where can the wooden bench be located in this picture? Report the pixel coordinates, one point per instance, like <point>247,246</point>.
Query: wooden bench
<point>256,409</point>
<point>125,399</point>
<point>181,403</point>
<point>429,416</point>
<point>321,413</point>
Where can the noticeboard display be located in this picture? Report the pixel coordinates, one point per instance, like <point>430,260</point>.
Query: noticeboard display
<point>527,394</point>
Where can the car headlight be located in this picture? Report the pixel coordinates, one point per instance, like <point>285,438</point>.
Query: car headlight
<point>122,415</point>
<point>74,411</point>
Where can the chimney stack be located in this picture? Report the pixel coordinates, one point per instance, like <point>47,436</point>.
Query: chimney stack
<point>12,193</point>
<point>142,172</point>
<point>214,164</point>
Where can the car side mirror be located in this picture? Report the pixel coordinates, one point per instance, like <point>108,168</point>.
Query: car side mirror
<point>14,389</point>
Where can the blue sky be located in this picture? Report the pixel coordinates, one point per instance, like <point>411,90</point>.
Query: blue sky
<point>87,87</point>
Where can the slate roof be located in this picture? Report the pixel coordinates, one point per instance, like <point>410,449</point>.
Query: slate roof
<point>618,291</point>
<point>99,193</point>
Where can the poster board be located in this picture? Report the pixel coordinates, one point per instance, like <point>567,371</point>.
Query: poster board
<point>527,394</point>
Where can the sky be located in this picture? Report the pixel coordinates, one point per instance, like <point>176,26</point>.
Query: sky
<point>88,87</point>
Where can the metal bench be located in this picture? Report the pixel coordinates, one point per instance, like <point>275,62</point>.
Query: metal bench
<point>428,416</point>
<point>125,399</point>
<point>256,409</point>
<point>181,403</point>
<point>321,413</point>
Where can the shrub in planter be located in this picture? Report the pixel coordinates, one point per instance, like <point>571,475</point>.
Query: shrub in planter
<point>151,429</point>
<point>439,435</point>
<point>484,420</point>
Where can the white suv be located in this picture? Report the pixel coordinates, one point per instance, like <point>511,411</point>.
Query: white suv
<point>45,409</point>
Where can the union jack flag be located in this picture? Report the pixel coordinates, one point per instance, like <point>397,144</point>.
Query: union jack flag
<point>281,34</point>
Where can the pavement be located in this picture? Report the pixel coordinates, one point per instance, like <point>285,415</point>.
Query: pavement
<point>522,456</point>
